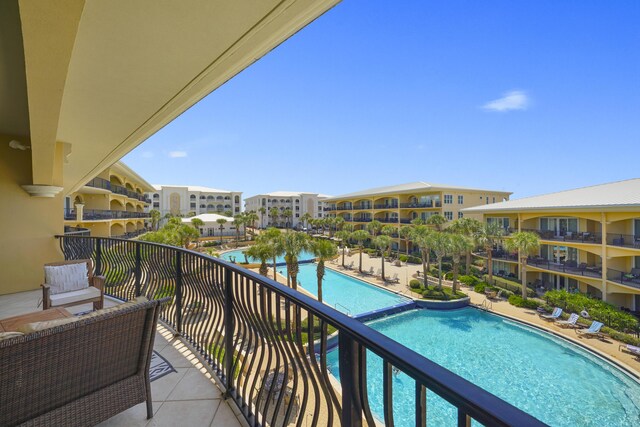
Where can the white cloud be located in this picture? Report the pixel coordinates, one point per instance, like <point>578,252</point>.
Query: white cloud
<point>514,100</point>
<point>175,154</point>
<point>146,154</point>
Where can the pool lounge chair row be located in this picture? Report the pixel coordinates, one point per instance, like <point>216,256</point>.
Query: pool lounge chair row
<point>593,331</point>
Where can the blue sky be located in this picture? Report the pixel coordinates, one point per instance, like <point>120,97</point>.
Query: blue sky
<point>527,96</point>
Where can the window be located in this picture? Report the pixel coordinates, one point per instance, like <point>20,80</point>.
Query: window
<point>192,197</point>
<point>297,215</point>
<point>156,196</point>
<point>494,200</point>
<point>156,204</point>
<point>319,215</point>
<point>461,200</point>
<point>193,205</point>
<point>448,215</point>
<point>297,208</point>
<point>448,199</point>
<point>487,199</point>
<point>460,215</point>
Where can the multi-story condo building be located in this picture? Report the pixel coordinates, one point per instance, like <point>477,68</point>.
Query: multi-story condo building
<point>300,204</point>
<point>400,204</point>
<point>590,240</point>
<point>195,200</point>
<point>112,204</point>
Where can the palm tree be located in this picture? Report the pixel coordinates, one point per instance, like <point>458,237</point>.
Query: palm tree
<point>330,222</point>
<point>287,214</point>
<point>222,222</point>
<point>251,218</point>
<point>460,244</point>
<point>489,235</point>
<point>437,221</point>
<point>272,237</point>
<point>360,236</point>
<point>338,223</point>
<point>466,227</point>
<point>383,243</point>
<point>293,243</point>
<point>274,213</point>
<point>261,251</point>
<point>262,211</point>
<point>155,218</point>
<point>422,236</point>
<point>406,233</point>
<point>344,236</point>
<point>441,244</point>
<point>198,224</point>
<point>238,222</point>
<point>323,250</point>
<point>374,227</point>
<point>305,219</point>
<point>526,243</point>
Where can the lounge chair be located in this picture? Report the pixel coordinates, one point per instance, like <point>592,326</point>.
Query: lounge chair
<point>369,273</point>
<point>569,323</point>
<point>350,266</point>
<point>557,312</point>
<point>593,331</point>
<point>632,349</point>
<point>379,273</point>
<point>394,279</point>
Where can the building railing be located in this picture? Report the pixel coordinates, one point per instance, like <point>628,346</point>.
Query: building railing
<point>361,207</point>
<point>118,189</point>
<point>70,214</point>
<point>343,208</point>
<point>76,231</point>
<point>430,204</point>
<point>498,255</point>
<point>99,183</point>
<point>625,240</point>
<point>406,220</point>
<point>628,278</point>
<point>569,267</point>
<point>387,220</point>
<point>98,214</point>
<point>253,332</point>
<point>356,219</point>
<point>386,206</point>
<point>567,236</point>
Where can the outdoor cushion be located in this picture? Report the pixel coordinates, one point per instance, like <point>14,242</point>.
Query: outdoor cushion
<point>27,328</point>
<point>65,278</point>
<point>8,335</point>
<point>74,296</point>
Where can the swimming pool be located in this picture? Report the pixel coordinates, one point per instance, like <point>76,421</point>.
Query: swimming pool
<point>555,381</point>
<point>239,257</point>
<point>345,293</point>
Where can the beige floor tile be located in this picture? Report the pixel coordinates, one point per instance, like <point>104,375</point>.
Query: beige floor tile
<point>134,417</point>
<point>224,416</point>
<point>179,357</point>
<point>194,385</point>
<point>186,413</point>
<point>162,387</point>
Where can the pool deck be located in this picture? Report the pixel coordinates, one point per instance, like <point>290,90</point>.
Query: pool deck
<point>608,348</point>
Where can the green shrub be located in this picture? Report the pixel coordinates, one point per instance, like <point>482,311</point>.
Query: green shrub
<point>449,276</point>
<point>469,280</point>
<point>415,284</point>
<point>480,287</point>
<point>518,301</point>
<point>444,294</point>
<point>403,258</point>
<point>414,260</point>
<point>598,310</point>
<point>165,291</point>
<point>510,285</point>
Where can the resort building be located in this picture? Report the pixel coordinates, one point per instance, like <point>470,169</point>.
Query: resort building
<point>400,204</point>
<point>211,226</point>
<point>194,200</point>
<point>590,240</point>
<point>297,203</point>
<point>112,204</point>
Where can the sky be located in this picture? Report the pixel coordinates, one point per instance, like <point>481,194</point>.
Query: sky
<point>530,97</point>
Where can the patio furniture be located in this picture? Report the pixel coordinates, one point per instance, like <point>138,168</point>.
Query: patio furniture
<point>395,278</point>
<point>82,372</point>
<point>11,324</point>
<point>569,323</point>
<point>557,312</point>
<point>593,331</point>
<point>69,283</point>
<point>631,349</point>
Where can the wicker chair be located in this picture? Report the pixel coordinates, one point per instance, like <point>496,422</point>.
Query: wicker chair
<point>80,373</point>
<point>93,293</point>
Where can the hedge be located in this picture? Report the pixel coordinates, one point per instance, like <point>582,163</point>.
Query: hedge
<point>510,285</point>
<point>518,301</point>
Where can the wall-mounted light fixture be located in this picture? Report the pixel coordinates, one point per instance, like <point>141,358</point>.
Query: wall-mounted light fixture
<point>17,145</point>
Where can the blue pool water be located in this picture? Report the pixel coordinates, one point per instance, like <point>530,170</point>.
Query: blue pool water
<point>239,257</point>
<point>555,381</point>
<point>345,293</point>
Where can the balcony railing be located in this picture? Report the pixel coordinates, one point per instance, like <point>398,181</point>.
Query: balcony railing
<point>626,240</point>
<point>498,255</point>
<point>99,183</point>
<point>251,331</point>
<point>628,278</point>
<point>568,236</point>
<point>362,207</point>
<point>343,208</point>
<point>406,220</point>
<point>76,231</point>
<point>98,214</point>
<point>118,189</point>
<point>386,206</point>
<point>357,219</point>
<point>387,220</point>
<point>569,267</point>
<point>430,204</point>
<point>70,214</point>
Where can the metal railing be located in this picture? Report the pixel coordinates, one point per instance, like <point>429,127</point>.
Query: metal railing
<point>99,183</point>
<point>626,240</point>
<point>70,213</point>
<point>569,267</point>
<point>387,206</point>
<point>387,220</point>
<point>628,278</point>
<point>269,344</point>
<point>76,231</point>
<point>98,214</point>
<point>497,255</point>
<point>417,205</point>
<point>568,236</point>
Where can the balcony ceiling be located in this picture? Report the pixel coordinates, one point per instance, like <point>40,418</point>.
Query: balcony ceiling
<point>103,76</point>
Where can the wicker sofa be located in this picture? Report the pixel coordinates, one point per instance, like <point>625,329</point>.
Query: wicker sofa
<point>79,373</point>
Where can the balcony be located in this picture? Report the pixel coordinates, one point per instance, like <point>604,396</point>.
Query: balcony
<point>386,206</point>
<point>363,206</point>
<point>498,255</point>
<point>248,328</point>
<point>431,204</point>
<point>359,219</point>
<point>406,220</point>
<point>343,208</point>
<point>567,236</point>
<point>569,267</point>
<point>623,240</point>
<point>387,220</point>
<point>117,189</point>
<point>98,214</point>
<point>627,278</point>
<point>99,183</point>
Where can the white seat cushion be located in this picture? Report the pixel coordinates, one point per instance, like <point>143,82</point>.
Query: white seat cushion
<point>65,278</point>
<point>74,296</point>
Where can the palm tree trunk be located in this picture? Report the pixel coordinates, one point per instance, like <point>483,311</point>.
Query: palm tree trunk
<point>289,273</point>
<point>382,257</point>
<point>455,277</point>
<point>275,273</point>
<point>343,249</point>
<point>523,274</point>
<point>320,273</point>
<point>439,272</point>
<point>294,276</point>
<point>360,266</point>
<point>468,262</point>
<point>424,268</point>
<point>490,266</point>
<point>428,259</point>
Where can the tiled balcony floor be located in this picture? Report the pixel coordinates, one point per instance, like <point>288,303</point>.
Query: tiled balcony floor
<point>188,397</point>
